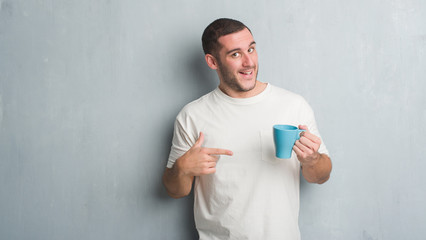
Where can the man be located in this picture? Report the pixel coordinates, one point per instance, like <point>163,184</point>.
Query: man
<point>224,141</point>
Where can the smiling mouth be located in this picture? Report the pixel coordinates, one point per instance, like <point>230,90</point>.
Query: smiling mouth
<point>247,72</point>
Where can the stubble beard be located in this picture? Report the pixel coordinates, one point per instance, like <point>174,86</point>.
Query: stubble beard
<point>231,80</point>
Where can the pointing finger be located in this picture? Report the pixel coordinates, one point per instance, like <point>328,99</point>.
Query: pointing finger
<point>218,151</point>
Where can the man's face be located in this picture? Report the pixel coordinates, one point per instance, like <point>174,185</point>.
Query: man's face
<point>237,62</point>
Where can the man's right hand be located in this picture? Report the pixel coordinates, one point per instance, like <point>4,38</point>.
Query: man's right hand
<point>199,160</point>
<point>196,161</point>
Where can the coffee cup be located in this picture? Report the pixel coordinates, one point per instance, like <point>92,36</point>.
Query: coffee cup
<point>284,138</point>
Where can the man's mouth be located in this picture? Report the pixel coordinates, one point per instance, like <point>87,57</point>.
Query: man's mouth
<point>247,72</point>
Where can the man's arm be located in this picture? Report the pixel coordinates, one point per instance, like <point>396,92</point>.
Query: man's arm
<point>316,167</point>
<point>318,172</point>
<point>177,184</point>
<point>196,161</point>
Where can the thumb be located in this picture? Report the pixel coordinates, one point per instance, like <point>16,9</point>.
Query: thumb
<point>303,127</point>
<point>200,140</point>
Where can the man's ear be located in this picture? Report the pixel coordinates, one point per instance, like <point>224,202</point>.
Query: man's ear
<point>211,61</point>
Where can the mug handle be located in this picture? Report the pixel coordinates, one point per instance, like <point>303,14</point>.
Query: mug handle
<point>298,133</point>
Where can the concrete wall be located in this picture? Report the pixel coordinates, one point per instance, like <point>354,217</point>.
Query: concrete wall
<point>89,91</point>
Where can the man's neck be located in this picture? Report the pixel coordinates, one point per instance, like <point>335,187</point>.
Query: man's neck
<point>259,87</point>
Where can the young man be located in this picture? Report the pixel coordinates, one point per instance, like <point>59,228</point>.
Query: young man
<point>224,142</point>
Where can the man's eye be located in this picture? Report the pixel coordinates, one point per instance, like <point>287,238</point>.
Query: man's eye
<point>236,54</point>
<point>251,50</point>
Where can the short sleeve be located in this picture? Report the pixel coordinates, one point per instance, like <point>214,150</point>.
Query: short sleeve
<point>308,119</point>
<point>184,137</point>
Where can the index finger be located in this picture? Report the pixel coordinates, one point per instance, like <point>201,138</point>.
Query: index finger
<point>312,137</point>
<point>218,151</point>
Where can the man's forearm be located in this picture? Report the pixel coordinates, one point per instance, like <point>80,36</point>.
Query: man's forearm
<point>319,172</point>
<point>177,184</point>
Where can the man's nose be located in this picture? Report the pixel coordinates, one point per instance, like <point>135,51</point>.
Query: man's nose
<point>247,61</point>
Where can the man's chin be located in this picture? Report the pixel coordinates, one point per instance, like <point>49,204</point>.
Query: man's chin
<point>248,86</point>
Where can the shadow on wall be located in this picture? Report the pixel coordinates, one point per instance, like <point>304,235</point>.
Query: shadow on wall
<point>159,192</point>
<point>201,80</point>
<point>1,113</point>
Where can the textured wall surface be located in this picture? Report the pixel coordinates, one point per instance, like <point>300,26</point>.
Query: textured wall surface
<point>89,91</point>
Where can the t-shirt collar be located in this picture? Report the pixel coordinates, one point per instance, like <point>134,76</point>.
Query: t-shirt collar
<point>243,101</point>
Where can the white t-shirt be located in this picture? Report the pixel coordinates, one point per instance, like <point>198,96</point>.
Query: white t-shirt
<point>253,194</point>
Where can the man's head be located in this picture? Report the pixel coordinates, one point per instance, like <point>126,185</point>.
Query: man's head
<point>217,29</point>
<point>231,51</point>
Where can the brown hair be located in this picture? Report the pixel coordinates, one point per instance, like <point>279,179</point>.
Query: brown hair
<point>217,29</point>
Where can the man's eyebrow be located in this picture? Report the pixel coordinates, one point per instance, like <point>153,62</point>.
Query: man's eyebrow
<point>236,49</point>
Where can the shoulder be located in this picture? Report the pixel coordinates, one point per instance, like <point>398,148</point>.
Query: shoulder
<point>286,95</point>
<point>197,106</point>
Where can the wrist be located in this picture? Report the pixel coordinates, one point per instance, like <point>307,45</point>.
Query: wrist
<point>311,162</point>
<point>180,170</point>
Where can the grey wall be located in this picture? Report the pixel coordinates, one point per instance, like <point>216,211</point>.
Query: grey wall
<point>89,91</point>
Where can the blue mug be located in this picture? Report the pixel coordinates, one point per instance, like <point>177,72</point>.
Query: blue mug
<point>284,138</point>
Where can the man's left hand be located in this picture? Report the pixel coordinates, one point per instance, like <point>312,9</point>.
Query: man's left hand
<point>307,147</point>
